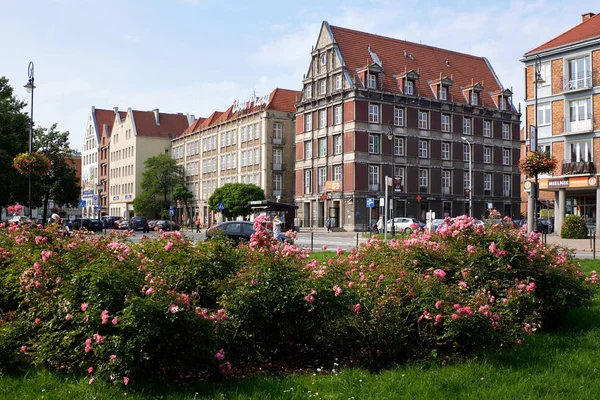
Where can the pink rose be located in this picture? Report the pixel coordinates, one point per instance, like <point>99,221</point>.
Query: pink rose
<point>90,370</point>
<point>84,306</point>
<point>105,317</point>
<point>439,273</point>
<point>168,246</point>
<point>220,355</point>
<point>115,320</point>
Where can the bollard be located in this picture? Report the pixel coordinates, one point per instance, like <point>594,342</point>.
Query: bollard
<point>311,240</point>
<point>356,240</point>
<point>594,245</point>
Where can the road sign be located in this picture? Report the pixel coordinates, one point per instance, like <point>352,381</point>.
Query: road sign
<point>99,206</point>
<point>81,203</point>
<point>171,212</point>
<point>172,207</point>
<point>370,202</point>
<point>221,206</point>
<point>95,200</point>
<point>381,202</point>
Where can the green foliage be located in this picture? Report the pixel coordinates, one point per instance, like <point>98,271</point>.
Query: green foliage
<point>146,204</point>
<point>574,227</point>
<point>235,197</point>
<point>160,177</point>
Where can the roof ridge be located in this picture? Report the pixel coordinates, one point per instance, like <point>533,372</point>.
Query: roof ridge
<point>406,41</point>
<point>562,34</point>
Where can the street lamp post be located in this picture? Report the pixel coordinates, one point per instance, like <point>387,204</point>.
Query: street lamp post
<point>464,139</point>
<point>390,136</point>
<point>30,86</point>
<point>534,191</point>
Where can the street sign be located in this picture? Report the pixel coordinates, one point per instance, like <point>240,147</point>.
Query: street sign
<point>381,202</point>
<point>81,203</point>
<point>221,206</point>
<point>172,207</point>
<point>99,207</point>
<point>532,138</point>
<point>95,200</point>
<point>171,212</point>
<point>370,202</point>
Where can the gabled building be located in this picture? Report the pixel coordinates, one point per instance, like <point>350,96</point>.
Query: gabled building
<point>250,142</point>
<point>135,137</point>
<point>374,107</point>
<point>567,93</point>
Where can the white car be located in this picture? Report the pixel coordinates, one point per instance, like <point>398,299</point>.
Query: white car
<point>17,219</point>
<point>403,224</point>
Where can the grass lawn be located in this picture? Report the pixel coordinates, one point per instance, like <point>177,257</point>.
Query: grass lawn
<point>559,364</point>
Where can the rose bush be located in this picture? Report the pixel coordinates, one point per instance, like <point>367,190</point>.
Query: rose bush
<point>167,308</point>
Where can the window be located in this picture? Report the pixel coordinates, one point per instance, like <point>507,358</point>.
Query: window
<point>337,172</point>
<point>399,116</point>
<point>374,113</point>
<point>487,128</point>
<point>580,118</point>
<point>278,131</point>
<point>446,182</point>
<point>487,183</point>
<point>243,138</point>
<point>308,150</point>
<point>323,86</point>
<point>580,74</point>
<point>337,115</point>
<point>423,148</point>
<point>466,152</point>
<point>443,93</point>
<point>445,150</point>
<point>544,114</point>
<point>445,123</point>
<point>256,131</point>
<point>277,156</point>
<point>374,144</point>
<point>307,181</point>
<point>423,180</point>
<point>467,123</point>
<point>506,185</point>
<point>308,122</point>
<point>506,131</point>
<point>505,156</point>
<point>322,174</point>
<point>423,120</point>
<point>337,144</point>
<point>398,146</point>
<point>256,156</point>
<point>466,180</point>
<point>373,177</point>
<point>372,81</point>
<point>338,81</point>
<point>222,163</point>
<point>580,151</point>
<point>546,73</point>
<point>323,59</point>
<point>277,183</point>
<point>322,147</point>
<point>474,98</point>
<point>487,155</point>
<point>322,118</point>
<point>502,103</point>
<point>308,91</point>
<point>399,178</point>
<point>409,87</point>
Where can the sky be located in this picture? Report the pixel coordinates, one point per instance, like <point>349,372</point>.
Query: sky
<point>198,56</point>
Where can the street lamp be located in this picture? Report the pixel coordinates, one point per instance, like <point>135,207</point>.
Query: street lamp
<point>464,139</point>
<point>534,191</point>
<point>30,86</point>
<point>390,136</point>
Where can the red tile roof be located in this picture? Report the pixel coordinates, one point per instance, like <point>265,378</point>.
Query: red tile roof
<point>399,56</point>
<point>194,126</point>
<point>104,117</point>
<point>585,30</point>
<point>279,100</point>
<point>145,124</point>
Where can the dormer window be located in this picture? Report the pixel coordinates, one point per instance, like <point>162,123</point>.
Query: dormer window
<point>372,81</point>
<point>407,82</point>
<point>323,59</point>
<point>474,98</point>
<point>502,103</point>
<point>409,87</point>
<point>443,93</point>
<point>502,98</point>
<point>308,91</point>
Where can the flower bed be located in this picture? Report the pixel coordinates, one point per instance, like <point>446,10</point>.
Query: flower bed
<point>167,309</point>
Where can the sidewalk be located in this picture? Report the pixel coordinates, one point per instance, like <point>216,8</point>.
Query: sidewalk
<point>575,244</point>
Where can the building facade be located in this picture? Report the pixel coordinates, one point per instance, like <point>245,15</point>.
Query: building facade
<point>251,142</point>
<point>437,121</point>
<point>567,120</point>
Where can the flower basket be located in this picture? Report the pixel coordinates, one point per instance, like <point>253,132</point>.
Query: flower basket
<point>34,163</point>
<point>537,163</point>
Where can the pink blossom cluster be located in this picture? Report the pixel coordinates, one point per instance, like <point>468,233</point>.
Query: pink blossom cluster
<point>497,252</point>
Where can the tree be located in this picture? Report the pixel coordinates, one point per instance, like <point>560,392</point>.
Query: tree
<point>161,176</point>
<point>147,205</point>
<point>235,197</point>
<point>60,184</point>
<point>14,139</point>
<point>182,194</point>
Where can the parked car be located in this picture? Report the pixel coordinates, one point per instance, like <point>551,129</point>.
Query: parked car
<point>152,224</point>
<point>545,226</point>
<point>18,218</point>
<point>403,224</point>
<point>139,224</point>
<point>167,225</point>
<point>239,231</point>
<point>123,225</point>
<point>437,222</point>
<point>95,225</point>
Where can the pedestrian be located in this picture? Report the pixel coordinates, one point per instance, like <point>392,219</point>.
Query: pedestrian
<point>277,229</point>
<point>198,225</point>
<point>380,225</point>
<point>328,224</point>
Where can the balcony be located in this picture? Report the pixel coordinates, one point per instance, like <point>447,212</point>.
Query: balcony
<point>575,168</point>
<point>580,81</point>
<point>584,125</point>
<point>280,141</point>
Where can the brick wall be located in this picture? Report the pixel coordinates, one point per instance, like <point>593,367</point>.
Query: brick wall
<point>557,76</point>
<point>596,150</point>
<point>529,93</point>
<point>558,151</point>
<point>558,110</point>
<point>596,68</point>
<point>596,107</point>
<point>530,119</point>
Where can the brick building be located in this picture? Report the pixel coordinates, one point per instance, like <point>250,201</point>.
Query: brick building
<point>568,119</point>
<point>374,106</point>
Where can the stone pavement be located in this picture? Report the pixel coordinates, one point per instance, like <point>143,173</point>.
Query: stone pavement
<point>578,245</point>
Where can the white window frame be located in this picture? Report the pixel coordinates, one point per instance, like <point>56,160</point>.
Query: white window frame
<point>322,145</point>
<point>474,98</point>
<point>580,151</point>
<point>487,181</point>
<point>443,92</point>
<point>322,118</point>
<point>372,81</point>
<point>321,178</point>
<point>446,181</point>
<point>398,116</point>
<point>445,122</point>
<point>409,87</point>
<point>307,181</point>
<point>337,144</point>
<point>446,150</point>
<point>374,110</point>
<point>505,156</point>
<point>374,144</point>
<point>467,126</point>
<point>546,73</point>
<point>505,131</point>
<point>374,176</point>
<point>277,182</point>
<point>277,156</point>
<point>544,114</point>
<point>506,185</point>
<point>398,146</point>
<point>323,86</point>
<point>337,115</point>
<point>423,178</point>
<point>423,119</point>
<point>308,149</point>
<point>278,130</point>
<point>423,148</point>
<point>466,180</point>
<point>308,121</point>
<point>337,172</point>
<point>338,82</point>
<point>308,91</point>
<point>466,152</point>
<point>399,174</point>
<point>487,128</point>
<point>487,155</point>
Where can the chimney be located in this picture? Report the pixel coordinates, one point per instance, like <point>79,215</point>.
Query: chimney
<point>190,119</point>
<point>585,17</point>
<point>116,110</point>
<point>156,116</point>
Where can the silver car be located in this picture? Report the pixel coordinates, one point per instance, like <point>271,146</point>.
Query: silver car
<point>404,224</point>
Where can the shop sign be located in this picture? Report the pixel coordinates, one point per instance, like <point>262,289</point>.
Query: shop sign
<point>115,198</point>
<point>333,186</point>
<point>558,183</point>
<point>582,181</point>
<point>248,105</point>
<point>127,197</point>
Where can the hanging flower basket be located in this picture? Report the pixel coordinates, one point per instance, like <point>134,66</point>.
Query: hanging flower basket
<point>34,163</point>
<point>537,163</point>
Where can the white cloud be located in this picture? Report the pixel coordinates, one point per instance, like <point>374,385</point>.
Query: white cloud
<point>132,38</point>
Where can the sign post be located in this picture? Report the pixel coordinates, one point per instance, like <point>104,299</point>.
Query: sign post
<point>370,204</point>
